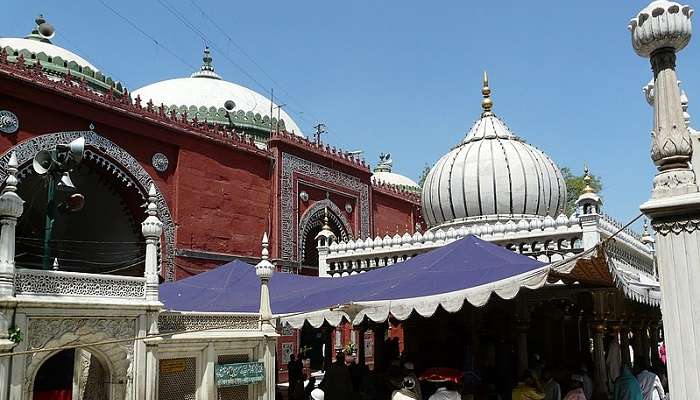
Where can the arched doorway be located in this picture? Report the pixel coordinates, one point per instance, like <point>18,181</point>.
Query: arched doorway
<point>73,374</point>
<point>311,224</point>
<point>110,162</point>
<point>103,237</point>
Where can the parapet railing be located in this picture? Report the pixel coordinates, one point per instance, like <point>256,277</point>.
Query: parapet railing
<point>31,282</point>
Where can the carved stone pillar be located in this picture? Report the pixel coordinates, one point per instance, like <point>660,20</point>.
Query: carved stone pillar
<point>636,329</point>
<point>654,343</point>
<point>658,32</point>
<point>644,341</point>
<point>11,207</point>
<point>152,228</point>
<point>625,343</point>
<point>152,370</point>
<point>269,362</point>
<point>600,374</point>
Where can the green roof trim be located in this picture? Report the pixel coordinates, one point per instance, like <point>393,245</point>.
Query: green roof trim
<point>58,66</point>
<point>259,125</point>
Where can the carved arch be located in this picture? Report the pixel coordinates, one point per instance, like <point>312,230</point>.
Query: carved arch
<point>116,358</point>
<point>114,159</point>
<point>315,215</point>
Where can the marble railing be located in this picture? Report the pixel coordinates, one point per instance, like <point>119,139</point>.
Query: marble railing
<point>545,238</point>
<point>31,282</point>
<point>173,321</point>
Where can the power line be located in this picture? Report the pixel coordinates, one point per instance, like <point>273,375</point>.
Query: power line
<point>153,39</point>
<point>183,19</point>
<point>240,48</point>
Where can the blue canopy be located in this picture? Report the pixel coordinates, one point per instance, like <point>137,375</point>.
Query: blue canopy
<point>469,268</point>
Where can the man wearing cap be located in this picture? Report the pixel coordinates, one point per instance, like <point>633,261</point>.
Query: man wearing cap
<point>407,391</point>
<point>409,372</point>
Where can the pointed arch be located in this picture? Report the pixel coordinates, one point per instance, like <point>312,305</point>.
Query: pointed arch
<point>313,218</point>
<point>114,159</point>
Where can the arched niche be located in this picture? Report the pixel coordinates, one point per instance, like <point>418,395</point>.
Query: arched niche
<point>115,359</point>
<point>125,171</point>
<point>310,225</point>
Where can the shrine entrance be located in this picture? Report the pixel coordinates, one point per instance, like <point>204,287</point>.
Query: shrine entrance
<point>74,374</point>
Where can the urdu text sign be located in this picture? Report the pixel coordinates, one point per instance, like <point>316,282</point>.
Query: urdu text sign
<point>239,373</point>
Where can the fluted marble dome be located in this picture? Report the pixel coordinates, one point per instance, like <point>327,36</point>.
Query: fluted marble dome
<point>493,173</point>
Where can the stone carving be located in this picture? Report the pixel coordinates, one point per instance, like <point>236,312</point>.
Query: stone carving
<point>160,162</point>
<point>664,227</point>
<point>182,322</point>
<point>314,216</point>
<point>28,282</point>
<point>42,330</point>
<point>9,123</point>
<point>291,165</point>
<point>132,172</point>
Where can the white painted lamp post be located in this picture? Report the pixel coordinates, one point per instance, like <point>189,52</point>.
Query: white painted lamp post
<point>658,32</point>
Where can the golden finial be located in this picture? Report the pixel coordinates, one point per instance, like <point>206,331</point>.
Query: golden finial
<point>326,227</point>
<point>587,180</point>
<point>486,103</point>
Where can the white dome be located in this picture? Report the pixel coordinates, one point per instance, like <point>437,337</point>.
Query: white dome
<point>36,46</point>
<point>206,89</point>
<point>492,173</point>
<point>392,178</point>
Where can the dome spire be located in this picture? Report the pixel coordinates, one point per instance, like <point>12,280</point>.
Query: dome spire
<point>486,103</point>
<point>207,69</point>
<point>587,179</point>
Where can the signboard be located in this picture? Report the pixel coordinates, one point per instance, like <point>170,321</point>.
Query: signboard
<point>172,366</point>
<point>239,374</point>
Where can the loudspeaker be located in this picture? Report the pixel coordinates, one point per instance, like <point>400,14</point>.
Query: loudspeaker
<point>77,149</point>
<point>42,162</point>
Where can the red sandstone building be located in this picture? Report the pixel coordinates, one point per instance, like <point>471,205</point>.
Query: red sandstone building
<point>225,167</point>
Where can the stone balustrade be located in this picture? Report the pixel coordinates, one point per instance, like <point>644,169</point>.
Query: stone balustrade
<point>31,282</point>
<point>547,239</point>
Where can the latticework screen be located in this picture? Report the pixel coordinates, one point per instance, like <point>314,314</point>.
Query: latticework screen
<point>233,392</point>
<point>177,379</point>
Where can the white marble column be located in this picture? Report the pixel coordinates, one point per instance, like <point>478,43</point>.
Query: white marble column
<point>11,207</point>
<point>152,369</point>
<point>658,32</point>
<point>152,228</point>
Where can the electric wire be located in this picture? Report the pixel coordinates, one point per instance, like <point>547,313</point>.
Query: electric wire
<point>245,53</point>
<point>146,34</point>
<point>183,19</point>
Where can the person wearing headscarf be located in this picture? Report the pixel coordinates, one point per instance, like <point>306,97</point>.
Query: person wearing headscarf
<point>626,386</point>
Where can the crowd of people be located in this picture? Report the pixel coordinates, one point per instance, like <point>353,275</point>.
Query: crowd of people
<point>345,379</point>
<point>645,385</point>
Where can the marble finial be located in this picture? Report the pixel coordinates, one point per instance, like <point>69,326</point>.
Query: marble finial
<point>486,103</point>
<point>661,24</point>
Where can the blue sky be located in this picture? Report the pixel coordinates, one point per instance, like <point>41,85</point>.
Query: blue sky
<point>404,77</point>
